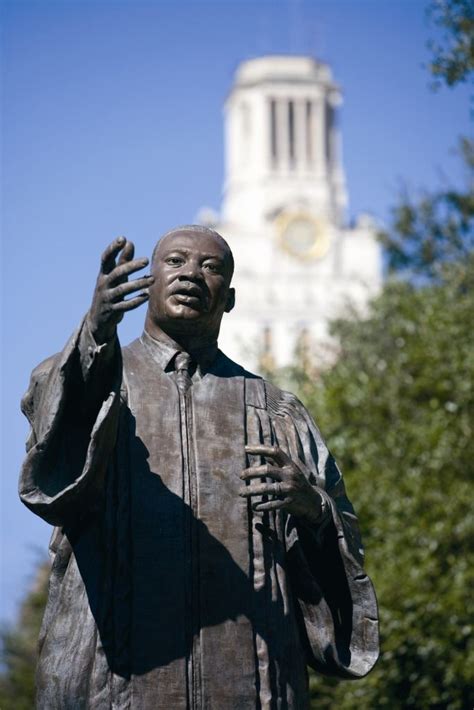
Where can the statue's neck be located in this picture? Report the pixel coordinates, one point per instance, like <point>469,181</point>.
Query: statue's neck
<point>188,342</point>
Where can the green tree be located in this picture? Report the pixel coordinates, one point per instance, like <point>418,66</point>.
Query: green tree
<point>18,645</point>
<point>453,60</point>
<point>396,411</point>
<point>434,229</point>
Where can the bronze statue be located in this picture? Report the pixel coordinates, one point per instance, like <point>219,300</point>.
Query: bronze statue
<point>204,549</point>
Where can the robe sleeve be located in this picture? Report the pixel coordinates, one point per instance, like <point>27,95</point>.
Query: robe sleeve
<point>334,594</point>
<point>72,405</point>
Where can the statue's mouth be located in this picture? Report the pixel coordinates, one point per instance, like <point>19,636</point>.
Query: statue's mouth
<point>189,295</point>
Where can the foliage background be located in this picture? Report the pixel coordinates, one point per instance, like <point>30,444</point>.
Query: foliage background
<point>397,407</point>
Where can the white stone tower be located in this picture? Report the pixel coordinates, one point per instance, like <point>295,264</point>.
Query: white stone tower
<point>297,265</point>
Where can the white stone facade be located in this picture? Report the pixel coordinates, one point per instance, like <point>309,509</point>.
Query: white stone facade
<point>297,264</point>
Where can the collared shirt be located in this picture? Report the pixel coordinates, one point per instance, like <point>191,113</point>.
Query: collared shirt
<point>164,349</point>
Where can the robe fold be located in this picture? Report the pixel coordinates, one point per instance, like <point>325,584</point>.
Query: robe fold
<point>167,590</point>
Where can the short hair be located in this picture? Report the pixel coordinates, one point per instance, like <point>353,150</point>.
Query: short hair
<point>197,229</point>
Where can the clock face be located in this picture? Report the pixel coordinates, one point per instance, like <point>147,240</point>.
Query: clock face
<point>303,236</point>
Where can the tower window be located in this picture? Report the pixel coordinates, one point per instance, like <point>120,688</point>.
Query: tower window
<point>273,130</point>
<point>291,132</point>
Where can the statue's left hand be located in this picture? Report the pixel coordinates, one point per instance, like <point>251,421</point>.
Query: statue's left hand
<point>291,490</point>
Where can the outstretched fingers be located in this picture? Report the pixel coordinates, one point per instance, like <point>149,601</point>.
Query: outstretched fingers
<point>123,270</point>
<point>128,252</point>
<point>107,260</point>
<point>125,289</point>
<point>130,305</point>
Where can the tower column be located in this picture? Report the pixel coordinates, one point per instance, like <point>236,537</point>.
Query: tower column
<point>310,132</point>
<point>282,134</point>
<point>320,135</point>
<point>272,143</point>
<point>300,130</point>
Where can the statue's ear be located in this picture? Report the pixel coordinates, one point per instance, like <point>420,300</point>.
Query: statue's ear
<point>230,303</point>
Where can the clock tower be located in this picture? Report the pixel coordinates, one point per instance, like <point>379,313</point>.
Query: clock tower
<point>297,264</point>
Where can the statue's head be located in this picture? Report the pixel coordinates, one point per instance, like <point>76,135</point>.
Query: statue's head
<point>193,267</point>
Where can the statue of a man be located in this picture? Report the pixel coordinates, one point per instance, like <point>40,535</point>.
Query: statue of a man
<point>204,549</point>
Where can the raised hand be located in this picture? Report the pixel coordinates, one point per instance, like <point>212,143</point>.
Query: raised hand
<point>108,303</point>
<point>290,490</point>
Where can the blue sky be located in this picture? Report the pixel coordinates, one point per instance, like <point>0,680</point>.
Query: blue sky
<point>112,124</point>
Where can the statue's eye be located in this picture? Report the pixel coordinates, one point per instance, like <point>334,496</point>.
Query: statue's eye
<point>175,260</point>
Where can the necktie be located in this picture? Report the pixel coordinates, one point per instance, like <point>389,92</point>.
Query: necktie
<point>182,365</point>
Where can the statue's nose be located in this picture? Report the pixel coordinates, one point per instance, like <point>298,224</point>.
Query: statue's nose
<point>191,271</point>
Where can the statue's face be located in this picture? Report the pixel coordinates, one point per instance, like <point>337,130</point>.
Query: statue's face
<point>191,290</point>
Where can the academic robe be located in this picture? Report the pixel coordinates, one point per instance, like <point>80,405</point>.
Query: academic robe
<point>166,590</point>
